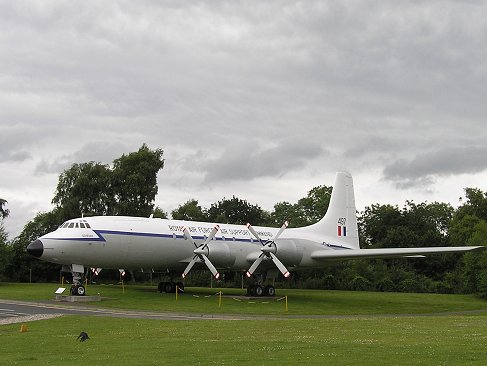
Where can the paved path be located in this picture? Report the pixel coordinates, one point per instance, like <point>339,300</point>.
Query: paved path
<point>16,310</point>
<point>12,311</point>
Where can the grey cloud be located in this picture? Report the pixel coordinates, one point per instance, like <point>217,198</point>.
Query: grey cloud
<point>101,152</point>
<point>422,170</point>
<point>14,156</point>
<point>252,160</point>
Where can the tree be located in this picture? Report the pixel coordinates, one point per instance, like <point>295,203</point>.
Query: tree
<point>3,211</point>
<point>95,189</point>
<point>5,252</point>
<point>237,211</point>
<point>85,189</point>
<point>159,213</point>
<point>190,210</point>
<point>313,207</point>
<point>308,210</point>
<point>134,181</point>
<point>469,227</point>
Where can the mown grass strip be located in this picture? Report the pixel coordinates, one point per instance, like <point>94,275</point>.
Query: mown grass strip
<point>351,341</point>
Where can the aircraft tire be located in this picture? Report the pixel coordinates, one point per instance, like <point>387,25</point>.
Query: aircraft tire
<point>259,290</point>
<point>78,290</point>
<point>169,287</point>
<point>269,290</point>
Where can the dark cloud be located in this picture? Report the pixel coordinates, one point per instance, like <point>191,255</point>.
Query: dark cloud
<point>100,152</point>
<point>14,156</point>
<point>255,160</point>
<point>422,170</point>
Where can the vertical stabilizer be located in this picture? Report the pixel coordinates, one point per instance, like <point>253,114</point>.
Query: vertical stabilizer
<point>340,221</point>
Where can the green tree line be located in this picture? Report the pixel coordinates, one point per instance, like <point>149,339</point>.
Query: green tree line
<point>129,187</point>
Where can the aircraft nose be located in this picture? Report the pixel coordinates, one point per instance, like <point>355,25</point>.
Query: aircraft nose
<point>35,248</point>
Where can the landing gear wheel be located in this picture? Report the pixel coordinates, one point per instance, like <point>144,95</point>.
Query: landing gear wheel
<point>169,287</point>
<point>78,290</point>
<point>258,290</point>
<point>269,290</point>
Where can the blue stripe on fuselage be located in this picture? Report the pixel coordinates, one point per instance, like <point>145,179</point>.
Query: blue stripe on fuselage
<point>100,237</point>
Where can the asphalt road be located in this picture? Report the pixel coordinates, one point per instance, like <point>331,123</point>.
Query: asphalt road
<point>12,310</point>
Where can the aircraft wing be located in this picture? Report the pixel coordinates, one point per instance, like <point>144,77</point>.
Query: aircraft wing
<point>331,254</point>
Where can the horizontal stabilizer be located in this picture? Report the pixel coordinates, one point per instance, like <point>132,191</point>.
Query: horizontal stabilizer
<point>387,253</point>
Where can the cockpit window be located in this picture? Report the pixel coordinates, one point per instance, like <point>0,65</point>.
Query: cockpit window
<point>70,225</point>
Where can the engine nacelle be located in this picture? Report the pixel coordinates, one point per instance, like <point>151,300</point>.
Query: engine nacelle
<point>220,254</point>
<point>287,252</point>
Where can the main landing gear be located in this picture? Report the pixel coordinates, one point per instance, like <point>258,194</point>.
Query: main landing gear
<point>170,287</point>
<point>260,290</point>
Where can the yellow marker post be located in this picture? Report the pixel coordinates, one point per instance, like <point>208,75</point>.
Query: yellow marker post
<point>62,281</point>
<point>86,284</point>
<point>286,304</point>
<point>219,299</point>
<point>176,292</point>
<point>23,328</point>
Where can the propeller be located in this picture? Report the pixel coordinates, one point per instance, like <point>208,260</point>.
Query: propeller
<point>201,252</point>
<point>268,251</point>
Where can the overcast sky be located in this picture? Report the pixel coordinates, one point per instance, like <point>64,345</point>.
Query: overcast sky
<point>259,99</point>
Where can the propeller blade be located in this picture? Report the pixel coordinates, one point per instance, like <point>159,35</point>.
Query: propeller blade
<point>254,233</point>
<point>283,227</point>
<point>210,266</point>
<point>190,265</point>
<point>279,265</point>
<point>212,235</point>
<point>254,265</point>
<point>187,235</point>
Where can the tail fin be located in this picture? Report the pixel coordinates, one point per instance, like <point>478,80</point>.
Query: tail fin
<point>340,221</point>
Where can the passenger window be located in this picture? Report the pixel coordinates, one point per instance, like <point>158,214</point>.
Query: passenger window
<point>81,225</point>
<point>87,226</point>
<point>71,225</point>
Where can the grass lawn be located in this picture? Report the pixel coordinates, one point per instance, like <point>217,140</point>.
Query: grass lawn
<point>431,340</point>
<point>300,302</point>
<point>366,338</point>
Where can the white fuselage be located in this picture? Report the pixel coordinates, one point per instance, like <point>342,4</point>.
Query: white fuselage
<point>148,243</point>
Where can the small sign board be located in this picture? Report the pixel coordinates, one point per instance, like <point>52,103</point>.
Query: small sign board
<point>60,290</point>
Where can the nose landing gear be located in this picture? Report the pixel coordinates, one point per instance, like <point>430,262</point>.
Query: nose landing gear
<point>78,272</point>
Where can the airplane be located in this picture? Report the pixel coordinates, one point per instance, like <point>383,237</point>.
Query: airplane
<point>121,242</point>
